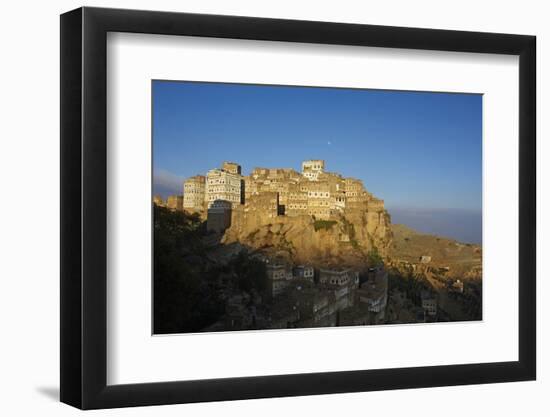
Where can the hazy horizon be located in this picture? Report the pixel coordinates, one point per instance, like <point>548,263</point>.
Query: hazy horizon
<point>460,224</point>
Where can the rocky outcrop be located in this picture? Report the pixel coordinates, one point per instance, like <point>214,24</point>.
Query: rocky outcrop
<point>344,239</point>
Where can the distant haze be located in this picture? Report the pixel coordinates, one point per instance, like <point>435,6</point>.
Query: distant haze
<point>166,183</point>
<point>459,224</point>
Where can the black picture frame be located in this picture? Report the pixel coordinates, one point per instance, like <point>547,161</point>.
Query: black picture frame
<point>84,207</point>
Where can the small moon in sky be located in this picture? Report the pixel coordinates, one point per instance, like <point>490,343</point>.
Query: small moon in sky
<point>329,143</point>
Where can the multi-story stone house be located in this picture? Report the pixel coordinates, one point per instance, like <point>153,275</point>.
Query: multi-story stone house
<point>278,276</point>
<point>304,272</point>
<point>225,186</point>
<point>312,168</point>
<point>339,277</point>
<point>194,190</point>
<point>231,167</point>
<point>374,291</point>
<point>219,216</point>
<point>297,201</point>
<point>429,303</point>
<point>354,190</point>
<point>278,180</point>
<point>319,198</point>
<point>340,200</point>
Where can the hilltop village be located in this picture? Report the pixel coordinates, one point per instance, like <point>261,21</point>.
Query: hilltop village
<point>275,200</point>
<point>296,249</point>
<point>272,192</point>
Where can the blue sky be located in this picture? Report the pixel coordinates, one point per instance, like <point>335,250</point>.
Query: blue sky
<point>416,150</point>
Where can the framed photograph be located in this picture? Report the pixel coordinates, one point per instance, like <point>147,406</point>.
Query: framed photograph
<point>257,208</point>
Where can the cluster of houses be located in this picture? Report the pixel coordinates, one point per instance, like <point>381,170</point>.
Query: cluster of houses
<point>269,192</point>
<point>304,296</point>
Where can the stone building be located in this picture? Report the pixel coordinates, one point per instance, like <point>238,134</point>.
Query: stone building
<point>194,190</point>
<point>175,202</point>
<point>222,185</point>
<point>429,303</point>
<point>278,276</point>
<point>374,292</point>
<point>219,216</point>
<point>354,190</point>
<point>297,201</point>
<point>319,307</point>
<point>231,167</point>
<point>312,168</point>
<point>319,199</point>
<point>315,308</point>
<point>304,272</point>
<point>339,277</point>
<point>339,200</point>
<point>343,298</point>
<point>279,180</point>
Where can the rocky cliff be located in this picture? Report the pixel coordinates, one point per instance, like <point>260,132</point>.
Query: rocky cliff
<point>344,239</point>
